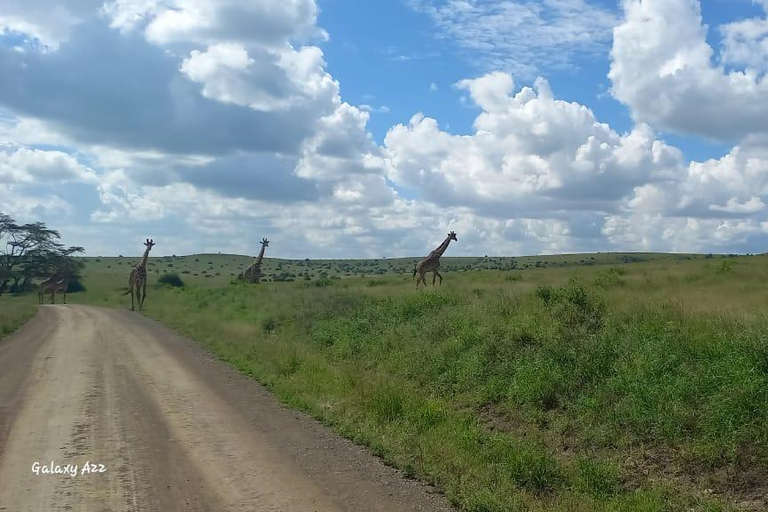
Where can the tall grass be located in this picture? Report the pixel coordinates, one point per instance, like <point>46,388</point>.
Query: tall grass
<point>15,312</point>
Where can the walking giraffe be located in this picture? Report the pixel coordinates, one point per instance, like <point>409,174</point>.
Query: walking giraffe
<point>252,274</point>
<point>432,262</point>
<point>137,282</point>
<point>56,283</point>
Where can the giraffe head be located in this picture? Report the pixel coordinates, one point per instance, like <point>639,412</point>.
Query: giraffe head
<point>149,243</point>
<point>452,236</point>
<point>264,242</point>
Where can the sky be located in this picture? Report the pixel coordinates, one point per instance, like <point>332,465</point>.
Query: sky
<point>349,129</point>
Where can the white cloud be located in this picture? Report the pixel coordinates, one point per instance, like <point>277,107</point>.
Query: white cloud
<point>522,37</point>
<point>214,21</point>
<point>20,164</point>
<point>655,232</point>
<point>341,147</point>
<point>746,43</point>
<point>753,205</point>
<point>49,23</point>
<point>369,108</point>
<point>662,69</point>
<point>272,80</point>
<point>25,207</point>
<point>531,155</point>
<point>732,186</point>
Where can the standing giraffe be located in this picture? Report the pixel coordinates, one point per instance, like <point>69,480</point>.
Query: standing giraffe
<point>252,274</point>
<point>137,282</point>
<point>56,283</point>
<point>432,262</point>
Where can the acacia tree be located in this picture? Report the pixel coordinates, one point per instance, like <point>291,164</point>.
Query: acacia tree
<point>32,251</point>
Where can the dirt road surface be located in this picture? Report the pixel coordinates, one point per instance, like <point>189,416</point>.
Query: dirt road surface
<point>163,426</point>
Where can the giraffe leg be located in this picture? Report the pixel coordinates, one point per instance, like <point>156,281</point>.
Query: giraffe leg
<point>138,297</point>
<point>132,309</point>
<point>434,276</point>
<point>438,275</point>
<point>65,296</point>
<point>143,295</point>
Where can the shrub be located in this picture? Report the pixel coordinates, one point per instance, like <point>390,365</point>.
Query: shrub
<point>725,267</point>
<point>574,306</point>
<point>610,277</point>
<point>171,280</point>
<point>75,286</point>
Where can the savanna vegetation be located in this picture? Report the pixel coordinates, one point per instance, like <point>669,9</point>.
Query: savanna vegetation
<point>574,382</point>
<point>32,252</point>
<point>623,382</point>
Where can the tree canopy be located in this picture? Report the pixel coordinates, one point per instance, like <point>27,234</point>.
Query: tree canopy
<point>32,251</point>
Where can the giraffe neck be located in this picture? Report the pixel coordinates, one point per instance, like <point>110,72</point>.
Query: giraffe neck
<point>261,254</point>
<point>143,263</point>
<point>441,248</point>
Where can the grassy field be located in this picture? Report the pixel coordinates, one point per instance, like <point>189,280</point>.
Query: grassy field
<point>219,269</point>
<point>15,311</point>
<point>581,382</point>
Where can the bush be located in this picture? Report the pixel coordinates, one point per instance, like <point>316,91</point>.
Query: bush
<point>171,280</point>
<point>725,267</point>
<point>574,306</point>
<point>75,286</point>
<point>611,277</point>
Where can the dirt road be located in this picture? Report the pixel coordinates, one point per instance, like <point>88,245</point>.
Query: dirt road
<point>139,418</point>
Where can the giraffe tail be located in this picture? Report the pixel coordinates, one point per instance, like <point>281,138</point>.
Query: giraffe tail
<point>126,293</point>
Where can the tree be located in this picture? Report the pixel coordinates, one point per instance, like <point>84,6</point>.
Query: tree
<point>32,251</point>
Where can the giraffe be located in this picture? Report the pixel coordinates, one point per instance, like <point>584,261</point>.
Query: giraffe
<point>57,283</point>
<point>252,274</point>
<point>137,282</point>
<point>432,262</point>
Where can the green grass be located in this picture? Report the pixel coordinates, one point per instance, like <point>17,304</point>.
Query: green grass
<point>567,386</point>
<point>15,312</point>
<point>213,270</point>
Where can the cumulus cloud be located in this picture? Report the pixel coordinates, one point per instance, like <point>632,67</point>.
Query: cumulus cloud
<point>655,232</point>
<point>746,43</point>
<point>531,155</point>
<point>30,206</point>
<point>731,186</point>
<point>45,23</point>
<point>212,21</point>
<point>275,80</point>
<point>20,164</point>
<point>662,68</point>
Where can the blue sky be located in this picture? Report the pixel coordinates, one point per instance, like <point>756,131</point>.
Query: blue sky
<point>340,128</point>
